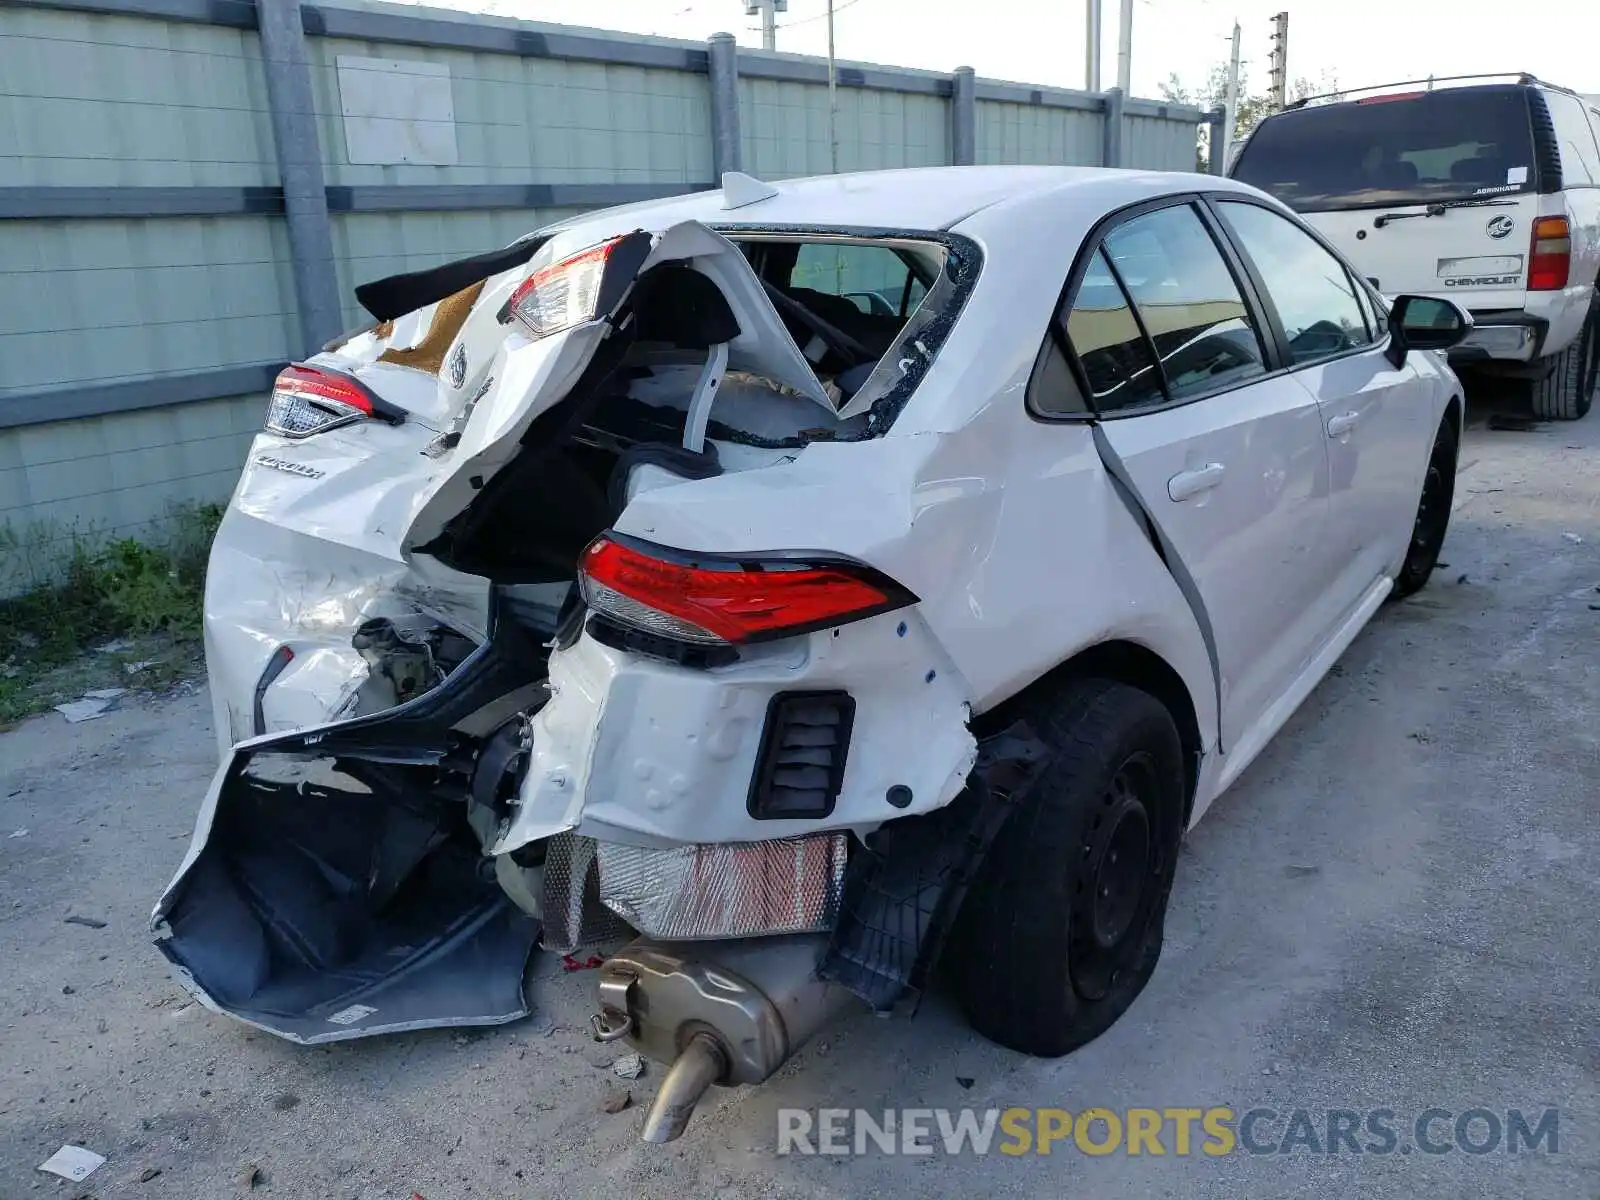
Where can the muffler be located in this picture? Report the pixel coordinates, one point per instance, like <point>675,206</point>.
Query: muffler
<point>728,1013</point>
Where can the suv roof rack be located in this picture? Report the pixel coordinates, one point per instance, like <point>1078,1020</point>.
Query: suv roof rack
<point>1521,77</point>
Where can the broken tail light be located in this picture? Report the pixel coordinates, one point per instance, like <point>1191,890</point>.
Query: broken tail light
<point>579,288</point>
<point>1550,264</point>
<point>308,400</point>
<point>716,600</point>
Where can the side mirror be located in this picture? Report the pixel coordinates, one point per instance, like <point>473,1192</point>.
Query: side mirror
<point>1425,323</point>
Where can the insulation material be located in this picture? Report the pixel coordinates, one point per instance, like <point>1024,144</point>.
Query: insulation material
<point>726,890</point>
<point>573,914</point>
<point>448,318</point>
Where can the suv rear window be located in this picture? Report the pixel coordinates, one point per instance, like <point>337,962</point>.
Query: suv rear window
<point>1416,149</point>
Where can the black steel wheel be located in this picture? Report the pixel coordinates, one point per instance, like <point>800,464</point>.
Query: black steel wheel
<point>1062,928</point>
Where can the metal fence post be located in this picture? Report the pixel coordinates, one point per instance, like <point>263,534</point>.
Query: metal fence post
<point>727,152</point>
<point>1111,106</point>
<point>963,117</point>
<point>1217,161</point>
<point>305,197</point>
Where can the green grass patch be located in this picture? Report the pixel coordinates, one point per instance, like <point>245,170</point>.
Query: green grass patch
<point>145,593</point>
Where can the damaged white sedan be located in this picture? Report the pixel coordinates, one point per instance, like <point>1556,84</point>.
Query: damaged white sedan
<point>812,581</point>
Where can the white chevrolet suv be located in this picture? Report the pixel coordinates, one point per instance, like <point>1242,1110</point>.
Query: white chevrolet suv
<point>1488,193</point>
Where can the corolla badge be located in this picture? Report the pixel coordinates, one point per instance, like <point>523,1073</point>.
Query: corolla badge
<point>458,366</point>
<point>1501,226</point>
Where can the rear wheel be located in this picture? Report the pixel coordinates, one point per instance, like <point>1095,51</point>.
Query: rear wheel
<point>1433,511</point>
<point>1568,391</point>
<point>1062,928</point>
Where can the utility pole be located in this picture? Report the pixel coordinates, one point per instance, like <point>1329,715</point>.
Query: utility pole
<point>1230,106</point>
<point>833,100</point>
<point>1125,50</point>
<point>769,10</point>
<point>1091,45</point>
<point>1280,60</point>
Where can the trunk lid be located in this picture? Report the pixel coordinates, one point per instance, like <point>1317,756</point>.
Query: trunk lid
<point>520,378</point>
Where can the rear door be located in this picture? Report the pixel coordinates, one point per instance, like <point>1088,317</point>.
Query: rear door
<point>1425,192</point>
<point>1226,458</point>
<point>1379,429</point>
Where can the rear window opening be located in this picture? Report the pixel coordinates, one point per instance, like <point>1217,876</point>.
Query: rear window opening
<point>1424,148</point>
<point>867,314</point>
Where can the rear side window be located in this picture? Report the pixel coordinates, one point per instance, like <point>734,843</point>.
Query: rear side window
<point>1116,359</point>
<point>1313,293</point>
<point>1580,157</point>
<point>1415,149</point>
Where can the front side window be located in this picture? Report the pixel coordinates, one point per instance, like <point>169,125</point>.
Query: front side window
<point>1313,293</point>
<point>1189,301</point>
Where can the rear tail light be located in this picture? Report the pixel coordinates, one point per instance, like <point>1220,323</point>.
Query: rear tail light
<point>577,289</point>
<point>306,400</point>
<point>1550,264</point>
<point>708,600</point>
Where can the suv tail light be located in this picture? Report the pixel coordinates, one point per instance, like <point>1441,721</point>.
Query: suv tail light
<point>577,289</point>
<point>712,600</point>
<point>1550,264</point>
<point>308,400</point>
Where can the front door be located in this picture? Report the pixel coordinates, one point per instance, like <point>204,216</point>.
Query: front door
<point>1228,461</point>
<point>1378,430</point>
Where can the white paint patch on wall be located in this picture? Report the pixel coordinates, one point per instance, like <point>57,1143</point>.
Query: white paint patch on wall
<point>397,111</point>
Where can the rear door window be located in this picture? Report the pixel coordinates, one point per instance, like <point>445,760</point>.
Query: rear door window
<point>1414,149</point>
<point>1189,301</point>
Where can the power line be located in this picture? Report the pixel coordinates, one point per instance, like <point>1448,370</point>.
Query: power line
<point>837,9</point>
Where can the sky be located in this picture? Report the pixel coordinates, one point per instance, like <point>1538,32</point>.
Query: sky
<point>1355,42</point>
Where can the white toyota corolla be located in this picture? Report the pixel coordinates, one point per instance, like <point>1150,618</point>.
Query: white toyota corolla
<point>812,581</point>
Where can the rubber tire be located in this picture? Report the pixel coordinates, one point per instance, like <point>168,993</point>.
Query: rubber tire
<point>1568,391</point>
<point>1422,557</point>
<point>1009,950</point>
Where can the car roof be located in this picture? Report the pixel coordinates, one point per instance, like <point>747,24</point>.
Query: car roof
<point>914,198</point>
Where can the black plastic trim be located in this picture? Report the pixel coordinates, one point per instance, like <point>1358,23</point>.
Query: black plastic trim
<point>772,742</point>
<point>396,295</point>
<point>276,665</point>
<point>694,655</point>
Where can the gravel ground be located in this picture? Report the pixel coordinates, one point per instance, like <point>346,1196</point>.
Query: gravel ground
<point>1395,908</point>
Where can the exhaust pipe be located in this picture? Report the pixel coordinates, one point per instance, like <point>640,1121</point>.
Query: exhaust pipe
<point>726,1013</point>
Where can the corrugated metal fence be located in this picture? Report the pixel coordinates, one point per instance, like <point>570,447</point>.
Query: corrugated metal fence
<point>156,271</point>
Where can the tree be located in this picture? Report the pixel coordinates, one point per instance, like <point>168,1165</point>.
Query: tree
<point>1252,108</point>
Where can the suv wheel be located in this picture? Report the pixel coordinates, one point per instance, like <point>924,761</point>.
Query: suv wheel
<point>1567,392</point>
<point>1062,928</point>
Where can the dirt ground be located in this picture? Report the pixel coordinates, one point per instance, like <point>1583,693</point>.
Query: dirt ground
<point>1395,908</point>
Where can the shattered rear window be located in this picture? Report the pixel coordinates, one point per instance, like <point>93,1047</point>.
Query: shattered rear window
<point>895,293</point>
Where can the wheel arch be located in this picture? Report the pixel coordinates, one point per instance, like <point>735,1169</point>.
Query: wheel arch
<point>1136,665</point>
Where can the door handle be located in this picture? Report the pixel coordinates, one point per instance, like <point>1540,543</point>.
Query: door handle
<point>1187,484</point>
<point>1343,423</point>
